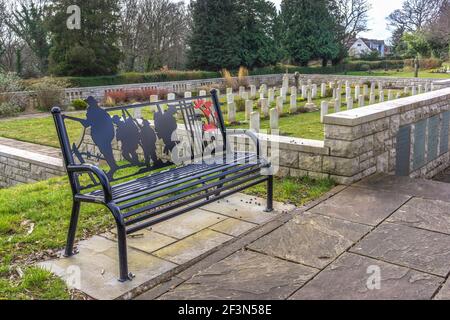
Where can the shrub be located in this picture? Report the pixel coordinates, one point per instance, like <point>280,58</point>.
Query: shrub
<point>10,85</point>
<point>431,63</point>
<point>243,77</point>
<point>229,80</point>
<point>79,104</point>
<point>49,92</point>
<point>8,109</point>
<point>135,95</point>
<point>240,104</point>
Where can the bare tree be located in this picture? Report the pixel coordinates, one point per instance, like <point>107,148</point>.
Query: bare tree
<point>153,34</point>
<point>352,15</point>
<point>415,14</point>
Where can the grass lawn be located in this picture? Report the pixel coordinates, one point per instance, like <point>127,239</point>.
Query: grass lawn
<point>42,130</point>
<point>34,220</point>
<point>401,74</point>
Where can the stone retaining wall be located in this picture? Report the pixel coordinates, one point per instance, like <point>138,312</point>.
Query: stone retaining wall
<point>19,166</point>
<point>408,137</point>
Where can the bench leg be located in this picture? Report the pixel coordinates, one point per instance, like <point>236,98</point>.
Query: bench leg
<point>123,258</point>
<point>72,229</point>
<point>269,195</point>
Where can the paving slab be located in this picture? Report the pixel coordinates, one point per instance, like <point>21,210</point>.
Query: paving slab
<point>361,205</point>
<point>351,278</point>
<point>233,227</point>
<point>95,269</point>
<point>410,247</point>
<point>247,208</point>
<point>145,240</point>
<point>444,293</point>
<point>188,224</point>
<point>192,247</point>
<point>311,239</point>
<point>413,187</point>
<point>244,276</point>
<point>432,215</point>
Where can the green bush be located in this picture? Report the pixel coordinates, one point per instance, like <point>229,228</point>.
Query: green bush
<point>8,109</point>
<point>134,77</point>
<point>79,104</point>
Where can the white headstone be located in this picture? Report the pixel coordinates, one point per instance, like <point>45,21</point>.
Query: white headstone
<point>357,92</point>
<point>232,112</point>
<point>230,98</point>
<point>229,90</point>
<point>390,95</point>
<point>202,93</point>
<point>271,95</point>
<point>372,98</point>
<point>279,105</point>
<point>314,91</point>
<point>248,109</point>
<point>293,90</point>
<point>361,101</point>
<point>264,107</point>
<point>274,119</point>
<point>323,110</point>
<point>293,104</point>
<point>188,94</point>
<point>337,105</point>
<point>253,91</point>
<point>255,121</point>
<point>171,96</point>
<point>323,90</point>
<point>304,91</point>
<point>154,98</point>
<point>350,103</point>
<point>366,90</point>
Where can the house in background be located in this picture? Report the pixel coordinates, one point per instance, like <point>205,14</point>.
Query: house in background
<point>361,46</point>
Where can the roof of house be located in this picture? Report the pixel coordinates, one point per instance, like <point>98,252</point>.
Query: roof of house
<point>368,42</point>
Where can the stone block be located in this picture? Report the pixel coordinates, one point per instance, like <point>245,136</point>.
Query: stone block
<point>341,166</point>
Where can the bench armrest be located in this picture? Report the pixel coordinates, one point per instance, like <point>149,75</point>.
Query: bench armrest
<point>100,174</point>
<point>250,134</point>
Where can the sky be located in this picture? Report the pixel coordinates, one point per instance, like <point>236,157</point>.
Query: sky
<point>377,18</point>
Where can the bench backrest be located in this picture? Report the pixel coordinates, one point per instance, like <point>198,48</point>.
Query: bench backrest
<point>139,138</point>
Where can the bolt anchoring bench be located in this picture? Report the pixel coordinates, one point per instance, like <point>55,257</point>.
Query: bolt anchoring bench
<point>150,162</point>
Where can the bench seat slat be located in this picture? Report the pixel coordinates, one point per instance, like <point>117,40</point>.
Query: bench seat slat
<point>128,190</point>
<point>160,217</point>
<point>233,184</point>
<point>251,172</point>
<point>178,186</point>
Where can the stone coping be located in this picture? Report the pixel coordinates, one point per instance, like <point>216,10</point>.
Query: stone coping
<point>31,157</point>
<point>297,144</point>
<point>381,110</point>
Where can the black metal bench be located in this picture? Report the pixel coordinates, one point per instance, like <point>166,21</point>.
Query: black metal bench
<point>150,162</point>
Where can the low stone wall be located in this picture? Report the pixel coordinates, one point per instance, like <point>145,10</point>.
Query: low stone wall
<point>270,80</point>
<point>19,166</point>
<point>407,137</point>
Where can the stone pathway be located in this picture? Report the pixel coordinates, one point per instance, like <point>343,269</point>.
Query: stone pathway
<point>157,254</point>
<point>383,238</point>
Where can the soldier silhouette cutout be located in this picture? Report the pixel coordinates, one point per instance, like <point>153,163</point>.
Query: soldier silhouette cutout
<point>127,133</point>
<point>148,143</point>
<point>102,131</point>
<point>165,126</point>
